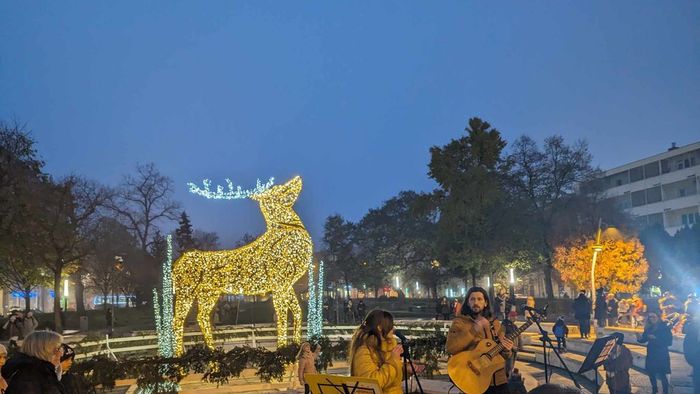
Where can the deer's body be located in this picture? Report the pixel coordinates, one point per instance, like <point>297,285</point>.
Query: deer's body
<point>272,263</point>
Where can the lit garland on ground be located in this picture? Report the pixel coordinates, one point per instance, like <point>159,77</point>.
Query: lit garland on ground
<point>315,318</point>
<point>272,263</point>
<point>232,194</point>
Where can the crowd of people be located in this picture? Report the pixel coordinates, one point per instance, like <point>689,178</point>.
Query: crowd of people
<point>17,325</point>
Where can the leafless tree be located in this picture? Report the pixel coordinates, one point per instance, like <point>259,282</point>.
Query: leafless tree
<point>144,199</point>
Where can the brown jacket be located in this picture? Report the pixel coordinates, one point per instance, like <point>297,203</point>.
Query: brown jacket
<point>465,334</point>
<point>306,365</point>
<point>389,374</point>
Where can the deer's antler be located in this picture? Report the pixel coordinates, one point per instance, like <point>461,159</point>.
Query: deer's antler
<point>231,194</point>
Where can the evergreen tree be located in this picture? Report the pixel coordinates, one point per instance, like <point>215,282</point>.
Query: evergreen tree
<point>183,234</point>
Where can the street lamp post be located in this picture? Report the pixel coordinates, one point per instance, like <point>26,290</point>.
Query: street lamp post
<point>597,248</point>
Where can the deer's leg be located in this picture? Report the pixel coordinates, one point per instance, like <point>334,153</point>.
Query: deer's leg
<point>293,303</point>
<point>183,304</point>
<point>279,300</point>
<point>206,303</point>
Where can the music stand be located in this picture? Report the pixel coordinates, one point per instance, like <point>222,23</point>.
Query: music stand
<point>597,355</point>
<point>335,384</point>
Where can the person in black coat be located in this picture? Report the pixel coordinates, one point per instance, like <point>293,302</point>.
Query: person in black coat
<point>611,303</point>
<point>582,313</point>
<point>601,308</point>
<point>691,341</point>
<point>73,383</point>
<point>33,369</point>
<point>657,335</point>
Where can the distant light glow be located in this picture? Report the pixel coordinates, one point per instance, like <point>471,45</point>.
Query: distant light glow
<point>65,287</point>
<point>512,276</point>
<point>396,279</point>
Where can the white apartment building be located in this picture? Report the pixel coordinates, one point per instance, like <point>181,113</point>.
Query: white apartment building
<point>660,189</point>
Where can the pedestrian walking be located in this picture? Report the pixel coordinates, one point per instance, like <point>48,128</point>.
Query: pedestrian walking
<point>582,313</point>
<point>361,309</point>
<point>658,338</point>
<point>561,332</point>
<point>617,367</point>
<point>444,309</point>
<point>109,319</point>
<point>611,305</point>
<point>601,309</point>
<point>691,342</point>
<point>457,307</point>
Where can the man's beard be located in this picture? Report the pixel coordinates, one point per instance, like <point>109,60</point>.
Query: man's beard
<point>475,313</point>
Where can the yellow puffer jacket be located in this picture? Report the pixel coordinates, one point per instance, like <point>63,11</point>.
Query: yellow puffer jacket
<point>365,363</point>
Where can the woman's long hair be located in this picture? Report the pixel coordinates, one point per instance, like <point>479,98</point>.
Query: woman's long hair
<point>375,329</point>
<point>467,310</point>
<point>301,350</point>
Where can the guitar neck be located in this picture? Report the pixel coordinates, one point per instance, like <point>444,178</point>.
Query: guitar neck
<point>499,348</point>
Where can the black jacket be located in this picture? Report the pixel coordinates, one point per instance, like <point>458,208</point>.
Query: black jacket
<point>658,360</point>
<point>30,375</point>
<point>582,308</point>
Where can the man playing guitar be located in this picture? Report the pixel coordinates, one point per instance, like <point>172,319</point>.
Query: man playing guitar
<point>475,324</point>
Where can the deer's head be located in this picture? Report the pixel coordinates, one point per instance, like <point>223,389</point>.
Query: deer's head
<point>275,201</point>
<point>284,195</point>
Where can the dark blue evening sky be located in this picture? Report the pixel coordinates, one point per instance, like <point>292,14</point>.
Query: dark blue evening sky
<point>349,95</point>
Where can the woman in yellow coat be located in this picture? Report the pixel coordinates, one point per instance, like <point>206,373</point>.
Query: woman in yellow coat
<point>375,353</point>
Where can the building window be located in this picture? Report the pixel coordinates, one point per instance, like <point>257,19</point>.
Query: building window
<point>679,164</point>
<point>651,170</point>
<point>653,194</point>
<point>690,219</point>
<point>619,182</point>
<point>636,174</point>
<point>638,198</point>
<point>681,192</point>
<point>665,168</point>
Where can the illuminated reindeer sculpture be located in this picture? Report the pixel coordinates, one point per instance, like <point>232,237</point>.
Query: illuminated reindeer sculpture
<point>270,264</point>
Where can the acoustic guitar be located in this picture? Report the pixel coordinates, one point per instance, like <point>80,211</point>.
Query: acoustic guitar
<point>472,370</point>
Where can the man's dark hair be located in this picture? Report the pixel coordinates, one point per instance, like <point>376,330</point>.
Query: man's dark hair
<point>467,311</point>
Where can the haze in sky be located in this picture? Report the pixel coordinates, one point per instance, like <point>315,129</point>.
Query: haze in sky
<point>349,95</point>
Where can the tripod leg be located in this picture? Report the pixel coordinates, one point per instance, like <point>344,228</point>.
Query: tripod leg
<point>566,367</point>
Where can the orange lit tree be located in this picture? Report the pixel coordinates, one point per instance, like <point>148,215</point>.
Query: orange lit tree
<point>620,267</point>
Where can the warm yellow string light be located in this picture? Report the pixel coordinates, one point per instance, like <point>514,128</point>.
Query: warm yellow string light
<point>270,264</point>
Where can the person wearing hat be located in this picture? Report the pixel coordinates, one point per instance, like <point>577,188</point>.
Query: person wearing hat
<point>73,383</point>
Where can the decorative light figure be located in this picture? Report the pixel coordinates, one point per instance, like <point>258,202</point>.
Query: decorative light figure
<point>164,312</point>
<point>315,318</point>
<point>272,263</point>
